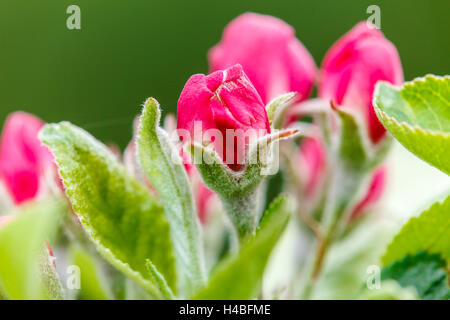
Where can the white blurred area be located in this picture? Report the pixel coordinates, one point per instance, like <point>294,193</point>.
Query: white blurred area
<point>412,186</point>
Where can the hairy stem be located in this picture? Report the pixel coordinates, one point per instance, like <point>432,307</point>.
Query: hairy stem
<point>244,212</point>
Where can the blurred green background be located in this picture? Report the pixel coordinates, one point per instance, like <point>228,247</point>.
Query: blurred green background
<point>98,76</point>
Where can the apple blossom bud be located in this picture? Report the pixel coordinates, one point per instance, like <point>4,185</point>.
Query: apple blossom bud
<point>374,193</point>
<point>23,158</point>
<point>352,67</point>
<point>225,107</point>
<point>266,47</point>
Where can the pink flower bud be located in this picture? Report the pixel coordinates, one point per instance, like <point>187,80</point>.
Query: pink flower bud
<point>374,193</point>
<point>23,158</point>
<point>352,67</point>
<point>274,60</point>
<point>225,104</point>
<point>312,162</point>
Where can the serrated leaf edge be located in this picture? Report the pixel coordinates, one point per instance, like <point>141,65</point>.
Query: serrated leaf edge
<point>413,221</point>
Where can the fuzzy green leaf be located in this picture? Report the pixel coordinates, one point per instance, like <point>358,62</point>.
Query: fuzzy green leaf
<point>418,115</point>
<point>430,232</point>
<point>426,272</point>
<point>23,269</point>
<point>124,220</point>
<point>239,276</point>
<point>159,280</point>
<point>164,168</point>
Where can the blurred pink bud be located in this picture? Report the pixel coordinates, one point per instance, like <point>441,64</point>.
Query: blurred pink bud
<point>203,198</point>
<point>374,193</point>
<point>312,160</point>
<point>202,195</point>
<point>274,60</point>
<point>186,159</point>
<point>352,67</point>
<point>224,101</point>
<point>5,219</point>
<point>170,125</point>
<point>23,159</point>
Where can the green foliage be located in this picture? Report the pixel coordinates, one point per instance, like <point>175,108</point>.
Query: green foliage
<point>164,168</point>
<point>239,276</point>
<point>348,259</point>
<point>418,115</point>
<point>126,223</point>
<point>92,286</point>
<point>25,269</point>
<point>389,290</point>
<point>426,272</point>
<point>430,232</point>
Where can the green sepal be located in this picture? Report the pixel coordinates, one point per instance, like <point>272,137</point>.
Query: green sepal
<point>353,144</point>
<point>277,107</point>
<point>353,157</point>
<point>240,191</point>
